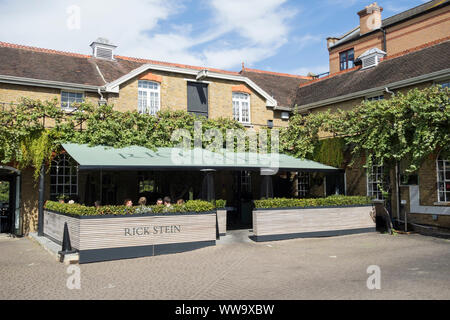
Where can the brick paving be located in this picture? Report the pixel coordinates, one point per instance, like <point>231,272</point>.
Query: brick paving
<point>412,267</point>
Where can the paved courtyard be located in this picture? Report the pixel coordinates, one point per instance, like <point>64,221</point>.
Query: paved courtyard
<point>412,267</point>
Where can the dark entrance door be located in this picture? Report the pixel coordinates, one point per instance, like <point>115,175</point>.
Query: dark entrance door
<point>197,94</point>
<point>335,183</point>
<point>8,203</point>
<point>240,217</point>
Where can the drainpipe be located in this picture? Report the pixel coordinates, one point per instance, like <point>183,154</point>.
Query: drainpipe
<point>101,101</point>
<point>388,91</point>
<point>384,39</point>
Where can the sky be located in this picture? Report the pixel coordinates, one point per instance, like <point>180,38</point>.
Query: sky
<point>277,35</point>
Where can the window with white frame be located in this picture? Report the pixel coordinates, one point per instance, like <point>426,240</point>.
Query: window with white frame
<point>375,182</point>
<point>303,184</point>
<point>241,107</point>
<point>443,178</point>
<point>69,99</point>
<point>148,97</point>
<point>63,177</point>
<point>375,98</point>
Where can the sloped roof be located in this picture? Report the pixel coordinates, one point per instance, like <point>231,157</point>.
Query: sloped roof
<point>410,65</point>
<point>136,157</point>
<point>402,16</point>
<point>52,65</point>
<point>281,86</point>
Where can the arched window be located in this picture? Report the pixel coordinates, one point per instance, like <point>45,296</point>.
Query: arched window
<point>63,177</point>
<point>443,178</point>
<point>148,97</point>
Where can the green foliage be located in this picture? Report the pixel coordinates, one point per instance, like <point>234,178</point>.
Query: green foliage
<point>407,126</point>
<point>4,191</point>
<point>316,202</point>
<point>330,151</point>
<point>81,210</point>
<point>220,203</point>
<point>33,130</point>
<point>301,136</point>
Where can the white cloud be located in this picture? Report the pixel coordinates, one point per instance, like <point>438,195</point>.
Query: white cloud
<point>44,23</point>
<point>236,31</point>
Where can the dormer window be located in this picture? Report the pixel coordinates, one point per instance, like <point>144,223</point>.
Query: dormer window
<point>102,48</point>
<point>371,58</point>
<point>347,59</point>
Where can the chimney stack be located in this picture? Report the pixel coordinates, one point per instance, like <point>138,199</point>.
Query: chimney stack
<point>370,18</point>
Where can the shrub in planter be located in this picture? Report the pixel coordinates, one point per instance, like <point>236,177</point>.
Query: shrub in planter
<point>220,203</point>
<point>81,210</point>
<point>317,202</point>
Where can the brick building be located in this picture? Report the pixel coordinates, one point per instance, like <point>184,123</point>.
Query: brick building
<point>372,61</point>
<point>375,61</point>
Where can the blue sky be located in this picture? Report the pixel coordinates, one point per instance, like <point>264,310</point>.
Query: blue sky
<point>277,35</point>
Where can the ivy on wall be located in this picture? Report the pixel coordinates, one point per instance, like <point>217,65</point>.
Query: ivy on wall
<point>330,151</point>
<point>407,126</point>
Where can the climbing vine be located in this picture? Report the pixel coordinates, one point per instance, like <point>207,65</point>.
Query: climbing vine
<point>408,126</point>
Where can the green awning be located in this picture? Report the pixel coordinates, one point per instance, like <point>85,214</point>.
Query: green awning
<point>141,158</point>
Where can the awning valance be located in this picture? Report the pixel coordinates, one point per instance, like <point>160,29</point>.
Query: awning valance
<point>141,158</point>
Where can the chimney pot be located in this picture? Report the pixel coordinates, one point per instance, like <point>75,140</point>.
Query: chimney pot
<point>370,18</point>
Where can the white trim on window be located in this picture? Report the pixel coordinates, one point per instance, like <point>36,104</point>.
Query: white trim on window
<point>303,183</point>
<point>241,107</point>
<point>443,179</point>
<point>375,97</point>
<point>63,176</point>
<point>149,97</point>
<point>68,98</point>
<point>374,181</point>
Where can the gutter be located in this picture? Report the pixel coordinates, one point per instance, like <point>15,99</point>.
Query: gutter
<point>49,83</point>
<point>394,85</point>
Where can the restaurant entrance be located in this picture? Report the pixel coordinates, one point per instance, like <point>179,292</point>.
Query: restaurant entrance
<point>9,200</point>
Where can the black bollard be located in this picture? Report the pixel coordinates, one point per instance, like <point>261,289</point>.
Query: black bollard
<point>66,246</point>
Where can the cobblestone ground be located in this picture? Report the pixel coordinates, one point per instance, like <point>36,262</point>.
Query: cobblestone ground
<point>412,267</point>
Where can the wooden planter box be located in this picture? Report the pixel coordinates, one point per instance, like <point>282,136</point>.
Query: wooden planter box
<point>222,221</point>
<point>289,223</point>
<point>102,238</point>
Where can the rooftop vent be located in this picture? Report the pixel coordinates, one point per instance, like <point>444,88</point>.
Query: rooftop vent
<point>102,48</point>
<point>371,57</point>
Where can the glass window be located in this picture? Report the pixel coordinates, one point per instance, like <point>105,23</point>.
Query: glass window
<point>443,178</point>
<point>63,177</point>
<point>241,107</point>
<point>445,84</point>
<point>375,182</point>
<point>246,181</point>
<point>69,99</point>
<point>148,97</point>
<point>375,98</point>
<point>303,184</point>
<point>347,59</point>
